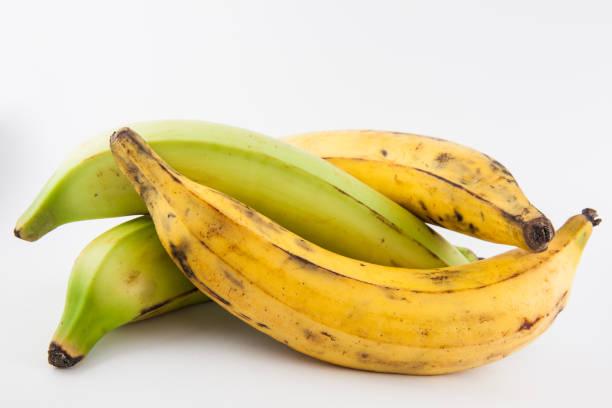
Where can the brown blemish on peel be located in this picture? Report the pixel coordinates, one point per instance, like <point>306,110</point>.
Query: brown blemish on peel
<point>178,254</point>
<point>383,152</point>
<point>528,324</point>
<point>263,326</point>
<point>326,334</point>
<point>58,357</point>
<point>245,317</point>
<point>235,281</point>
<point>131,277</point>
<point>443,158</point>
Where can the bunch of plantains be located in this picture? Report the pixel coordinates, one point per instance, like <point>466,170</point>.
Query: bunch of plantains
<point>318,240</point>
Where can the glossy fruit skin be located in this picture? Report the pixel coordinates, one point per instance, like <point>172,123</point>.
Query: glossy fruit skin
<point>345,311</point>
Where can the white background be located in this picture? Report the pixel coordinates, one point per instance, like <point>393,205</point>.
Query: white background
<point>528,82</point>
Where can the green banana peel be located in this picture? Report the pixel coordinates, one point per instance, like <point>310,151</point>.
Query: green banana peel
<point>123,275</point>
<point>297,189</point>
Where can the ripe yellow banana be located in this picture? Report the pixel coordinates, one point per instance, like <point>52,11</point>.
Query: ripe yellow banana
<point>341,310</point>
<point>442,182</point>
<point>122,276</point>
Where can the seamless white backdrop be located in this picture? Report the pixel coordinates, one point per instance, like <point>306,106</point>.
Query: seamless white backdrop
<point>527,82</point>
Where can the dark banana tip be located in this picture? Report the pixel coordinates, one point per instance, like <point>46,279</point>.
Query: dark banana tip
<point>538,233</point>
<point>124,132</point>
<point>129,138</point>
<point>17,233</point>
<point>59,358</point>
<point>591,215</point>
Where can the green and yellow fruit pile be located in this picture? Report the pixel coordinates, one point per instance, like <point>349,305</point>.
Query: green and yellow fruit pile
<point>318,240</point>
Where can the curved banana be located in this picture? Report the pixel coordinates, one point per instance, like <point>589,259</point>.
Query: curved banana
<point>123,275</point>
<point>293,187</point>
<point>441,182</point>
<point>342,310</point>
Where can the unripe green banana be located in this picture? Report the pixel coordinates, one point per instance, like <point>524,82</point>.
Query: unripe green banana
<point>298,190</point>
<point>122,276</point>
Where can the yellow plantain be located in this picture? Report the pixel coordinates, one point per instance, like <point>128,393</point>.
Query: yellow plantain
<point>442,182</point>
<point>341,310</point>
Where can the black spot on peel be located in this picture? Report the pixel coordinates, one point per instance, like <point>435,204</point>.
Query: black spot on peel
<point>364,356</point>
<point>263,326</point>
<point>171,215</point>
<point>458,216</point>
<point>423,206</point>
<point>309,335</point>
<point>245,317</point>
<point>383,152</point>
<point>472,228</point>
<point>528,324</point>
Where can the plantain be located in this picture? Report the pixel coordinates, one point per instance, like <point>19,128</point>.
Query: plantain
<point>442,182</point>
<point>293,187</point>
<point>346,311</point>
<point>122,276</point>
